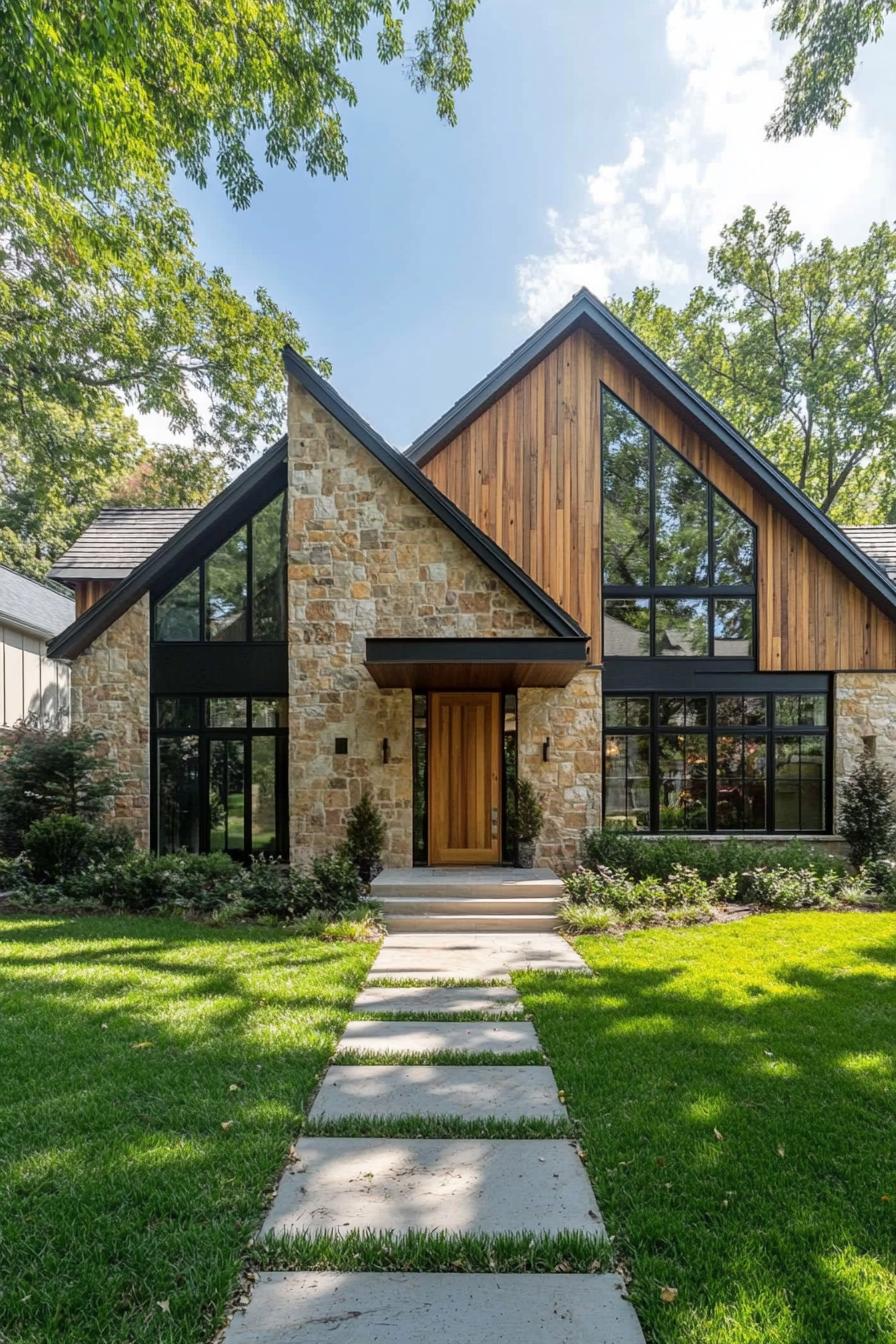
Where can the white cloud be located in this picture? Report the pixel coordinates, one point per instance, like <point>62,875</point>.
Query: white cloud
<point>694,165</point>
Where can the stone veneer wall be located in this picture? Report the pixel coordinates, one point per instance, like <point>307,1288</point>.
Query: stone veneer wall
<point>569,782</point>
<point>864,706</point>
<point>110,695</point>
<point>365,558</point>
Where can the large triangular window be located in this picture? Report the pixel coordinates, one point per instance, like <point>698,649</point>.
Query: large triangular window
<point>679,559</point>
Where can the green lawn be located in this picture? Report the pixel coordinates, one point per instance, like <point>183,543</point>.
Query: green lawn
<point>153,1074</point>
<point>736,1095</point>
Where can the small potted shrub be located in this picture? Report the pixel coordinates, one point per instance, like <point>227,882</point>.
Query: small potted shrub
<point>529,821</point>
<point>364,837</point>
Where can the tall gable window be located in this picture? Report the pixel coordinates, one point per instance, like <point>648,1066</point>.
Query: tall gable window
<point>238,593</point>
<point>678,558</point>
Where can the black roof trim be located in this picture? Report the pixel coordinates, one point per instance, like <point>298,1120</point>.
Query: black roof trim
<point>476,649</point>
<point>535,598</point>
<point>178,550</point>
<point>584,310</point>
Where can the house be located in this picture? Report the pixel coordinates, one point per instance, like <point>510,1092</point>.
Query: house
<point>581,574</point>
<point>33,687</point>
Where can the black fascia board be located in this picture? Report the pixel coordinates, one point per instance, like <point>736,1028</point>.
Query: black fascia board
<point>587,311</point>
<point>534,649</point>
<point>182,552</point>
<point>399,464</point>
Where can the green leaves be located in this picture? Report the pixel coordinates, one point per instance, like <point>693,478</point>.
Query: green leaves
<point>830,34</point>
<point>91,95</point>
<point>795,342</point>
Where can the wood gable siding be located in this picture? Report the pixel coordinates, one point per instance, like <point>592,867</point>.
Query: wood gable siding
<point>527,471</point>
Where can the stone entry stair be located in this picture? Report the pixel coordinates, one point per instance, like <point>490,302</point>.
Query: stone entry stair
<point>478,1186</point>
<point>452,900</point>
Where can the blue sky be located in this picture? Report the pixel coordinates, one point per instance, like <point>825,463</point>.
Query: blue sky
<point>600,143</point>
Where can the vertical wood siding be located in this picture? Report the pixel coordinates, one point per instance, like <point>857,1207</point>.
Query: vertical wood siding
<point>527,471</point>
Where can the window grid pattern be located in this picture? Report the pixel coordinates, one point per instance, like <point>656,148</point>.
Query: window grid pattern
<point>678,558</point>
<point>717,762</point>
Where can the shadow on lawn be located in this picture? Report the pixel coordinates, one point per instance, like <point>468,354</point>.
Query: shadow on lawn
<point>150,1090</point>
<point>780,1229</point>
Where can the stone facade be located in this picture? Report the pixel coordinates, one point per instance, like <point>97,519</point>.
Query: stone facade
<point>864,708</point>
<point>569,781</point>
<point>365,558</point>
<point>110,696</point>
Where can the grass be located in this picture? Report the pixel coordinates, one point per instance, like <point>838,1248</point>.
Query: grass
<point>454,1058</point>
<point>435,1127</point>
<point>155,1072</point>
<point>734,1090</point>
<point>437,1252</point>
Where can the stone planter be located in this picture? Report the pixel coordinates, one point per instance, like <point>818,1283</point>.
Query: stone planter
<point>525,853</point>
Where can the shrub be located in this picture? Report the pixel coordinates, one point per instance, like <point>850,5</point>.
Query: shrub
<point>529,812</point>
<point>44,773</point>
<point>140,882</point>
<point>868,811</point>
<point>643,857</point>
<point>879,877</point>
<point>365,835</point>
<point>683,897</point>
<point>788,889</point>
<point>57,845</point>
<point>336,883</point>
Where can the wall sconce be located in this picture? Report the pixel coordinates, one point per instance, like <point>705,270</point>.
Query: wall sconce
<point>386,751</point>
<point>546,749</point>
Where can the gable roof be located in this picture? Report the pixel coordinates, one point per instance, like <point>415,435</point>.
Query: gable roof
<point>497,560</point>
<point>32,606</point>
<point>181,551</point>
<point>260,481</point>
<point>587,312</point>
<point>117,541</point>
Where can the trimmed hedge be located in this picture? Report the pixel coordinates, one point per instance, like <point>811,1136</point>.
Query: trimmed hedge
<point>642,858</point>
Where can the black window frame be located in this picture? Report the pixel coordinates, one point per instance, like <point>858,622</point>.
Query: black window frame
<point>247,525</point>
<point>770,731</point>
<point>711,591</point>
<point>205,734</point>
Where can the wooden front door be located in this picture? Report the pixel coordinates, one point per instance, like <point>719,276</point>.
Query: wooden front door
<point>464,777</point>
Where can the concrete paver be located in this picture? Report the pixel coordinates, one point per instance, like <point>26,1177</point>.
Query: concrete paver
<point>438,999</point>
<point>472,956</point>
<point>478,1186</point>
<point>307,1308</point>
<point>472,1092</point>
<point>391,1038</point>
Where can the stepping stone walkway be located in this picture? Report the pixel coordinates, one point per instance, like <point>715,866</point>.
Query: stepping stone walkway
<point>483,1187</point>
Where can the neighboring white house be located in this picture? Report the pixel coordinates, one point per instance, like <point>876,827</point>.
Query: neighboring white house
<point>32,686</point>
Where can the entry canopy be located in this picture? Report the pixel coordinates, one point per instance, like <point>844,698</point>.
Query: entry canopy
<point>475,664</point>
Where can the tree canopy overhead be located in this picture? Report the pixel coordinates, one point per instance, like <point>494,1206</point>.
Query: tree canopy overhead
<point>91,95</point>
<point>830,34</point>
<point>795,342</point>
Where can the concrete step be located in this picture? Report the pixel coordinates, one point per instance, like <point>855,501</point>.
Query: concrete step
<point>457,883</point>
<point>481,923</point>
<point>485,1002</point>
<point>469,905</point>
<point>468,1091</point>
<point>420,1038</point>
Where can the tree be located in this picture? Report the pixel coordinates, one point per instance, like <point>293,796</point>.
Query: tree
<point>830,35</point>
<point>92,95</point>
<point>795,342</point>
<point>46,773</point>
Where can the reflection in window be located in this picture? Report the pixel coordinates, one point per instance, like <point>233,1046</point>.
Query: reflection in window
<point>270,713</point>
<point>419,768</point>
<point>177,793</point>
<point>733,545</point>
<point>269,571</point>
<point>741,710</point>
<point>683,710</point>
<point>264,795</point>
<point>627,711</point>
<point>681,522</point>
<point>626,495</point>
<point>801,710</point>
<point>226,589</point>
<point>683,771</point>
<point>627,781</point>
<point>627,627</point>
<point>226,795</point>
<point>740,783</point>
<point>225,711</point>
<point>177,613</point>
<point>177,711</point>
<point>682,627</point>
<point>733,627</point>
<point>799,782</point>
